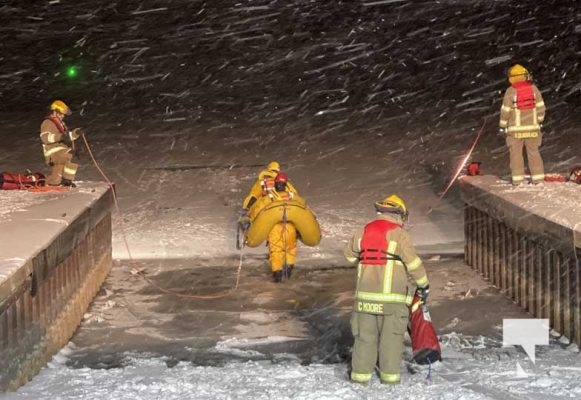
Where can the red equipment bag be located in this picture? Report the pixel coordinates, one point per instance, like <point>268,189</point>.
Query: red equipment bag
<point>13,181</point>
<point>425,345</point>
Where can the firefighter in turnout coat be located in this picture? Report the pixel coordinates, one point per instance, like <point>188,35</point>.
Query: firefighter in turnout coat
<point>57,141</point>
<point>521,116</point>
<point>385,259</point>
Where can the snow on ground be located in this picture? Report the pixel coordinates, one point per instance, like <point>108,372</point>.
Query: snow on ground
<point>356,102</point>
<point>473,368</point>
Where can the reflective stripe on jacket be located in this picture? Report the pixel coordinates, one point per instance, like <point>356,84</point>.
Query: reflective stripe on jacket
<point>51,138</point>
<point>384,280</point>
<point>520,118</point>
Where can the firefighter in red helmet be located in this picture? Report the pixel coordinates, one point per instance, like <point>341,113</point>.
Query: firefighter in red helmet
<point>385,259</point>
<point>521,117</point>
<point>282,238</point>
<point>57,142</point>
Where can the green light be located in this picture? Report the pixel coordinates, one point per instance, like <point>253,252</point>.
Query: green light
<point>72,71</point>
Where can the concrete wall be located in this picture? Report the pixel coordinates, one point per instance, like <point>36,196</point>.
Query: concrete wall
<point>528,246</point>
<point>44,297</point>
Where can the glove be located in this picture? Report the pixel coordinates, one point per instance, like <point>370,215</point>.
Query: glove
<point>75,133</point>
<point>423,292</point>
<point>244,220</point>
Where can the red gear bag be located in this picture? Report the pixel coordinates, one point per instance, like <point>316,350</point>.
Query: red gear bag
<point>14,181</point>
<point>425,345</point>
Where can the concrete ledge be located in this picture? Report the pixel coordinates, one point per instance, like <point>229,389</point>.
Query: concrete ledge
<point>551,212</point>
<point>55,253</point>
<point>526,241</point>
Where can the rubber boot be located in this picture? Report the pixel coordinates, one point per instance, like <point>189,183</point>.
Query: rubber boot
<point>277,276</point>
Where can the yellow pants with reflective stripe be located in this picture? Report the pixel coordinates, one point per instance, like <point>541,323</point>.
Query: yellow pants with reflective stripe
<point>517,163</point>
<point>378,336</point>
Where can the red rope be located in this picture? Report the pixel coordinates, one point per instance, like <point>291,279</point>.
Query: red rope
<point>138,271</point>
<point>460,167</point>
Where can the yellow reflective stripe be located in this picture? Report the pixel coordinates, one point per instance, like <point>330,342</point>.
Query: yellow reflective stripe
<point>414,264</point>
<point>503,123</point>
<point>389,378</point>
<point>541,104</point>
<point>538,177</point>
<point>388,273</point>
<point>361,378</point>
<point>524,128</point>
<point>518,177</point>
<point>70,170</point>
<point>50,137</point>
<point>506,108</point>
<point>52,150</point>
<point>423,281</point>
<point>352,260</point>
<point>358,272</point>
<point>516,117</point>
<point>385,297</point>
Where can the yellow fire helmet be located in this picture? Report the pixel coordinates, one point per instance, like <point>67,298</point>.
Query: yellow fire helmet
<point>392,204</point>
<point>61,107</point>
<point>273,166</point>
<point>518,73</point>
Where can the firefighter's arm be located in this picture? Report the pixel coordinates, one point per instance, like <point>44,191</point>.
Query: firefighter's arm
<point>353,249</point>
<point>505,109</point>
<point>291,188</point>
<point>49,133</point>
<point>412,262</point>
<point>539,104</point>
<point>255,193</point>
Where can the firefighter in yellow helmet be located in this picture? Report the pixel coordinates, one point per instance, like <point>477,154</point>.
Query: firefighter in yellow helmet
<point>282,238</point>
<point>57,142</point>
<point>263,185</point>
<point>521,117</point>
<point>385,259</point>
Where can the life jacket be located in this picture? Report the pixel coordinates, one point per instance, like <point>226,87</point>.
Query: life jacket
<point>60,125</point>
<point>284,195</point>
<point>267,185</point>
<point>14,181</point>
<point>525,97</point>
<point>374,243</point>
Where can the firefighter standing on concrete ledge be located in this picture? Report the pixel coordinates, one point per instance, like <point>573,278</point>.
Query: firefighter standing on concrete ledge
<point>521,116</point>
<point>385,256</point>
<point>57,141</point>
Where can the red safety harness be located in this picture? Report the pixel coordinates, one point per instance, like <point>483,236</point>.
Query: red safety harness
<point>525,97</point>
<point>374,243</point>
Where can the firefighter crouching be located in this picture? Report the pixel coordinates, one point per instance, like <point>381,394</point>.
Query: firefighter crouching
<point>57,141</point>
<point>521,116</point>
<point>385,257</point>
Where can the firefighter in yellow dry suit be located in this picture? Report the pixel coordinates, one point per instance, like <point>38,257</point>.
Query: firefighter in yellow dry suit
<point>263,185</point>
<point>385,257</point>
<point>282,239</point>
<point>57,141</point>
<point>521,117</point>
